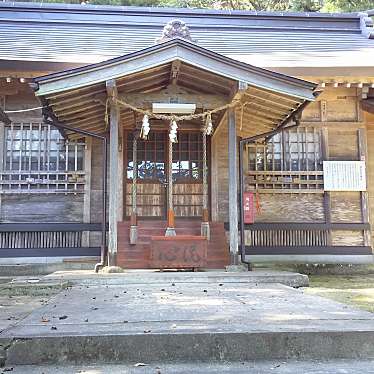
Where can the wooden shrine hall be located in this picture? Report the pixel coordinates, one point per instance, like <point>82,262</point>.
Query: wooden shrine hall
<point>154,115</point>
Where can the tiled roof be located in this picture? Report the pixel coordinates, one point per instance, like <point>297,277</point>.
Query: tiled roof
<point>86,34</point>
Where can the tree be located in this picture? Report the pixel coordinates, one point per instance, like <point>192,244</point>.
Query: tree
<point>255,5</point>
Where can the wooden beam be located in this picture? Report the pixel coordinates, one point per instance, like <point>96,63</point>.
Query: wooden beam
<point>113,172</point>
<point>233,187</point>
<point>363,156</point>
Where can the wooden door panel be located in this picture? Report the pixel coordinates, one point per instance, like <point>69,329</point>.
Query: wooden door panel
<point>152,161</point>
<point>150,199</point>
<point>188,199</point>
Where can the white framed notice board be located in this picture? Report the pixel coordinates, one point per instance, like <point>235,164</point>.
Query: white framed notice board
<point>344,175</point>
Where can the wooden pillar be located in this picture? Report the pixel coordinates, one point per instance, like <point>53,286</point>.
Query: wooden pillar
<point>87,189</point>
<point>326,194</point>
<point>120,204</point>
<point>362,149</point>
<point>170,230</point>
<point>2,161</point>
<point>113,172</point>
<point>233,188</point>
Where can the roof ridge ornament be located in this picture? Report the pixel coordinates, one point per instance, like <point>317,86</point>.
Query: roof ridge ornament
<point>366,25</point>
<point>175,28</point>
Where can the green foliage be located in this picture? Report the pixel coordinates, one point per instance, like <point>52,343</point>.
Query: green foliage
<point>257,5</point>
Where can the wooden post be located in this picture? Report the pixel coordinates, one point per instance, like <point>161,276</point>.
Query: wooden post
<point>113,172</point>
<point>233,188</point>
<point>170,230</point>
<point>2,146</point>
<point>87,189</point>
<point>326,194</point>
<point>120,174</point>
<point>362,150</point>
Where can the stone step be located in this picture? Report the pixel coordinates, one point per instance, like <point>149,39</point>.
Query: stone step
<point>186,347</point>
<point>357,366</point>
<point>187,322</point>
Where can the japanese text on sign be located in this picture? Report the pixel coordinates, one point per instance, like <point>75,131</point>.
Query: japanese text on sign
<point>344,175</point>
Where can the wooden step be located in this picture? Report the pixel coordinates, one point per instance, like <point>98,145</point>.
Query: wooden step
<point>138,255</point>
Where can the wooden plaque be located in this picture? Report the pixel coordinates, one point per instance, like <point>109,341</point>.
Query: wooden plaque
<point>181,251</point>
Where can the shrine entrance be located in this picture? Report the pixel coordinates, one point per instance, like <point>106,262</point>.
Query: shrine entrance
<point>158,109</point>
<point>152,175</point>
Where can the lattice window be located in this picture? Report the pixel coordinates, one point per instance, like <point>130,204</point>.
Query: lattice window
<point>39,147</point>
<point>290,160</point>
<point>188,157</point>
<point>36,158</point>
<point>150,156</point>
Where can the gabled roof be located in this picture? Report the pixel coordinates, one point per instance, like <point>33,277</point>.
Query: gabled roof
<point>77,96</point>
<point>163,53</point>
<point>87,34</point>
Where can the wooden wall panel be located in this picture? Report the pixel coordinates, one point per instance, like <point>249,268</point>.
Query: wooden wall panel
<point>347,238</point>
<point>342,109</point>
<point>220,172</point>
<point>341,104</point>
<point>343,144</point>
<point>312,112</point>
<point>291,208</point>
<point>42,208</point>
<point>96,180</point>
<point>345,207</point>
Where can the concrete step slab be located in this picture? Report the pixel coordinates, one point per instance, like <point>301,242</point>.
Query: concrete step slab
<point>257,367</point>
<point>155,276</point>
<point>189,322</point>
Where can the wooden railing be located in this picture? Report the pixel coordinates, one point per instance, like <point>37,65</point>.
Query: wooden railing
<point>277,238</point>
<point>42,182</point>
<point>46,239</point>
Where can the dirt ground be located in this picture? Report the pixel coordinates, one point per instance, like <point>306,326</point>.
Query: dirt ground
<point>356,290</point>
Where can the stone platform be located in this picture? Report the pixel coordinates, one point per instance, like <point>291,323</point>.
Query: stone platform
<point>168,320</point>
<point>155,277</point>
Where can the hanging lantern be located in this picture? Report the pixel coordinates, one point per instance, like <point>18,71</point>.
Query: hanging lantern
<point>209,124</point>
<point>173,131</point>
<point>145,127</point>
